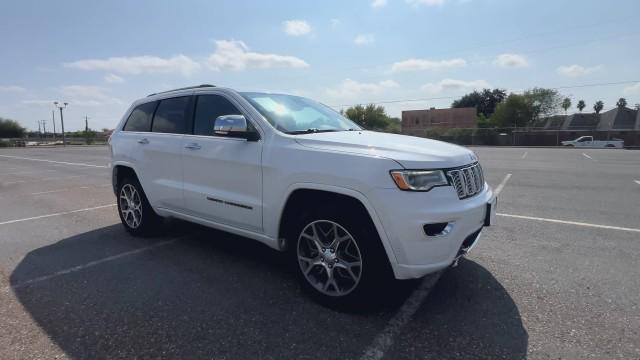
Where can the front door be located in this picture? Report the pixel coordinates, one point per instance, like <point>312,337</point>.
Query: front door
<point>222,175</point>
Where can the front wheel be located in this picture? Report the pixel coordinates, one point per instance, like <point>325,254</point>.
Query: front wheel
<point>340,260</point>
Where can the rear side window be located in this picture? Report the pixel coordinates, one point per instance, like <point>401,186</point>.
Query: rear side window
<point>171,116</point>
<point>140,118</point>
<point>208,109</point>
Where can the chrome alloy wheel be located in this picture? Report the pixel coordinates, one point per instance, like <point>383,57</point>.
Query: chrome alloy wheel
<point>131,206</point>
<point>329,258</point>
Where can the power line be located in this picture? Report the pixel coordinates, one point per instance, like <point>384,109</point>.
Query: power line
<point>459,96</point>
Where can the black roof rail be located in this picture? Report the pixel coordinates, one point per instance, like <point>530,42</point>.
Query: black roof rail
<point>183,88</point>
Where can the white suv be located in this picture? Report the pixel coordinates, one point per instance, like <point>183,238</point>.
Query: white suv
<point>352,208</point>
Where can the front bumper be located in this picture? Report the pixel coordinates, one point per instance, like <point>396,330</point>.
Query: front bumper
<point>403,215</point>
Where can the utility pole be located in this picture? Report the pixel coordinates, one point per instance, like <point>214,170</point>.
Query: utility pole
<point>44,128</point>
<point>86,124</point>
<point>61,106</point>
<point>39,130</point>
<point>53,119</point>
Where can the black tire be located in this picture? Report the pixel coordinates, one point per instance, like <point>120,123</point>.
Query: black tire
<point>376,277</point>
<point>148,222</point>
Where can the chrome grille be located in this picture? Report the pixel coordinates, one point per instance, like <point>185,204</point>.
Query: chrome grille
<point>468,181</point>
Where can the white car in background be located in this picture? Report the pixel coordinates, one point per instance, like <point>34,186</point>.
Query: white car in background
<point>587,141</point>
<point>353,209</point>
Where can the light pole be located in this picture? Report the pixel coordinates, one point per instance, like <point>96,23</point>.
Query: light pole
<point>53,119</point>
<point>61,106</point>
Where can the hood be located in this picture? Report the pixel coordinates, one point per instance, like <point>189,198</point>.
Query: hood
<point>411,152</point>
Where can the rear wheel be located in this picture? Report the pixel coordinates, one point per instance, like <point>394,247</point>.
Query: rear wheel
<point>136,214</point>
<point>339,258</point>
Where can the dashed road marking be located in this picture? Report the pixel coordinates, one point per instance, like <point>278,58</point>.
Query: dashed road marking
<point>588,157</point>
<point>52,161</point>
<point>577,223</point>
<point>502,184</point>
<point>525,154</point>
<point>56,214</point>
<point>93,263</point>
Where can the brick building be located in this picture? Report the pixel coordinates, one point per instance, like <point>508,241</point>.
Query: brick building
<point>414,122</point>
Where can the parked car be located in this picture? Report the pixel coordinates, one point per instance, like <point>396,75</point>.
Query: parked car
<point>353,209</point>
<point>587,141</point>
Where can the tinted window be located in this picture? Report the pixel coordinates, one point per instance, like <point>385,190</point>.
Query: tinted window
<point>140,118</point>
<point>171,116</point>
<point>208,108</point>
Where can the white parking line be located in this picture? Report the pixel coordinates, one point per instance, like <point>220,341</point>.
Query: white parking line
<point>45,179</point>
<point>637,181</point>
<point>29,172</point>
<point>51,161</point>
<point>525,154</point>
<point>588,157</point>
<point>56,214</point>
<point>58,190</point>
<point>504,181</point>
<point>384,340</point>
<point>608,227</point>
<point>93,263</point>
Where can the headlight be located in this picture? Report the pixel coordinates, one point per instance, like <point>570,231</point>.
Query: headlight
<point>419,180</point>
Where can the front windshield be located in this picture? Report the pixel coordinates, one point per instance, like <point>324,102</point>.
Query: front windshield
<point>297,115</point>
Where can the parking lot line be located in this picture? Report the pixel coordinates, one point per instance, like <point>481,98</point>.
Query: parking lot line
<point>637,181</point>
<point>51,161</point>
<point>504,181</point>
<point>609,227</point>
<point>93,263</point>
<point>29,172</point>
<point>68,189</point>
<point>525,154</point>
<point>588,157</point>
<point>56,214</point>
<point>384,340</point>
<point>45,179</point>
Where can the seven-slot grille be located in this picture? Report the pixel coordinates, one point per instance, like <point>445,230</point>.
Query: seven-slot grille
<point>468,181</point>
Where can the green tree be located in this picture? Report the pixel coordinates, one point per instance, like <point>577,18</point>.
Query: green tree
<point>581,105</point>
<point>598,106</point>
<point>370,117</point>
<point>11,129</point>
<point>485,101</point>
<point>543,102</point>
<point>622,102</point>
<point>566,104</point>
<point>515,111</point>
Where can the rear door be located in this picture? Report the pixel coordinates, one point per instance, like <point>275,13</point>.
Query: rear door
<point>161,169</point>
<point>222,175</point>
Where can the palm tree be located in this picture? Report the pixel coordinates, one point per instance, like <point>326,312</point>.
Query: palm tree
<point>598,106</point>
<point>581,105</point>
<point>622,102</point>
<point>566,104</point>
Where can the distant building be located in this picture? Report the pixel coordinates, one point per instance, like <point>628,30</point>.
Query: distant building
<point>414,122</point>
<point>614,119</point>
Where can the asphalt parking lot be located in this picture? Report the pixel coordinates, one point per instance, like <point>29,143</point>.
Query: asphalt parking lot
<point>558,277</point>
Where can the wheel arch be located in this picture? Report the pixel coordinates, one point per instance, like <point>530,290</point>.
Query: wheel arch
<point>119,171</point>
<point>298,194</point>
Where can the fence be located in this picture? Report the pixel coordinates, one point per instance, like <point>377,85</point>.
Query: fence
<point>524,136</point>
<point>50,141</point>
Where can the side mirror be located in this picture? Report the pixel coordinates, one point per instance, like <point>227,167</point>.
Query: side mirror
<point>234,126</point>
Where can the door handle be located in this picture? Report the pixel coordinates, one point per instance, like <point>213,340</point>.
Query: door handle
<point>193,146</point>
<point>143,141</point>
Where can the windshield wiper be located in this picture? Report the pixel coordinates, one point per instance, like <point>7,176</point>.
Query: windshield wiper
<point>310,131</point>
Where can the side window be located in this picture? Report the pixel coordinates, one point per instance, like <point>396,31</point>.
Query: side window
<point>140,118</point>
<point>208,109</point>
<point>171,116</point>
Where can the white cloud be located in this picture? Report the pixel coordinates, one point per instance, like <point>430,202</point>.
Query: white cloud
<point>235,55</point>
<point>425,64</point>
<point>87,95</point>
<point>113,79</point>
<point>296,27</point>
<point>378,3</point>
<point>364,39</point>
<point>426,2</point>
<point>511,60</point>
<point>452,84</point>
<point>577,70</point>
<point>139,64</point>
<point>633,89</point>
<point>11,89</point>
<point>351,88</point>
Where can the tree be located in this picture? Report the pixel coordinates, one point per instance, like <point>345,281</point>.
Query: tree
<point>485,102</point>
<point>11,129</point>
<point>598,106</point>
<point>543,102</point>
<point>622,102</point>
<point>566,104</point>
<point>581,105</point>
<point>372,117</point>
<point>514,111</point>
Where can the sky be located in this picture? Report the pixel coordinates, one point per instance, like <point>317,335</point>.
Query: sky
<point>101,56</point>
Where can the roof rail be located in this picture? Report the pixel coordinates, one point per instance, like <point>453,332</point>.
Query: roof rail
<point>183,88</point>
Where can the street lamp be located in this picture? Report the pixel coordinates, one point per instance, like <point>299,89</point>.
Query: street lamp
<point>61,106</point>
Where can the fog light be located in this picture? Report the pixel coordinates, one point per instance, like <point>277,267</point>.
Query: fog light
<point>436,229</point>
